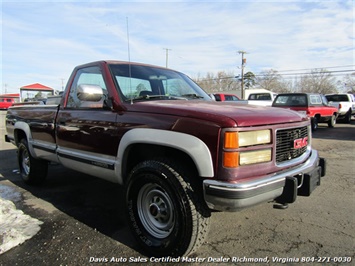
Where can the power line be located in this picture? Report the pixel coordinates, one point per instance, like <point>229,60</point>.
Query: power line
<point>334,72</point>
<point>307,73</point>
<point>305,69</point>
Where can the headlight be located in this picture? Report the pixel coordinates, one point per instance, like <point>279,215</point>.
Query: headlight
<point>234,140</point>
<point>251,157</point>
<point>249,138</point>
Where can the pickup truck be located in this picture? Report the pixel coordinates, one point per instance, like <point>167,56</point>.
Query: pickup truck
<point>345,103</point>
<point>260,97</point>
<point>314,105</point>
<point>178,153</point>
<point>5,102</point>
<point>221,97</point>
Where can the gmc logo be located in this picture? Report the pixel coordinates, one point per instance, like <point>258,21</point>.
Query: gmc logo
<point>300,143</point>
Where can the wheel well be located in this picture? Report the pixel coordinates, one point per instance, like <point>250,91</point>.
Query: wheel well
<point>19,135</point>
<point>137,153</point>
<point>317,116</point>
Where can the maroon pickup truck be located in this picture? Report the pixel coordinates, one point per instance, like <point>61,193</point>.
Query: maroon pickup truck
<point>178,153</point>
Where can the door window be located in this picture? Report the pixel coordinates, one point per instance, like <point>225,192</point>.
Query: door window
<point>88,76</point>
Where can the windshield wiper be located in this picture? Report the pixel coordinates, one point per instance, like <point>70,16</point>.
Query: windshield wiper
<point>148,97</point>
<point>192,95</point>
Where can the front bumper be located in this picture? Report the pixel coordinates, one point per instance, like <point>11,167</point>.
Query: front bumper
<point>282,187</point>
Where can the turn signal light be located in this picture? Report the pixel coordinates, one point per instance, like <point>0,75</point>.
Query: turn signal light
<point>230,159</point>
<point>231,140</point>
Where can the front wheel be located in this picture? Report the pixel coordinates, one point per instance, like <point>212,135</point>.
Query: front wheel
<point>314,123</point>
<point>33,171</point>
<point>166,213</point>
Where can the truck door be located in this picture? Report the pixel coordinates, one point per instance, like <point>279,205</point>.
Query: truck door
<point>86,132</point>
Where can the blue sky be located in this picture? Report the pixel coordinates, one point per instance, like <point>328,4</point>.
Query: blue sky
<point>42,41</point>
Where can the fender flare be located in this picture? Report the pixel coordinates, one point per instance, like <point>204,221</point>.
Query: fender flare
<point>23,126</point>
<point>191,145</point>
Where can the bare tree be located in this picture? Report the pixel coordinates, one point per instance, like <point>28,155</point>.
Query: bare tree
<point>349,83</point>
<point>319,81</point>
<point>271,80</point>
<point>222,81</point>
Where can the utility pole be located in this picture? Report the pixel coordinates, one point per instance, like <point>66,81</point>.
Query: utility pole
<point>62,84</point>
<point>166,56</point>
<point>242,70</point>
<point>5,87</point>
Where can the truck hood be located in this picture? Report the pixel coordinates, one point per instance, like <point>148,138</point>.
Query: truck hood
<point>222,113</point>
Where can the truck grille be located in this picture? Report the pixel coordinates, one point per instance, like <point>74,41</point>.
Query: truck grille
<point>285,143</point>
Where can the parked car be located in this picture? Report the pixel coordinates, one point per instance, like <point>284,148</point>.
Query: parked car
<point>314,105</point>
<point>345,102</point>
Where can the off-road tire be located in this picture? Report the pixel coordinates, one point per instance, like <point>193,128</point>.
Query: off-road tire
<point>33,171</point>
<point>166,212</point>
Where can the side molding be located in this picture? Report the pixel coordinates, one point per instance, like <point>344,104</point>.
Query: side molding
<point>194,147</point>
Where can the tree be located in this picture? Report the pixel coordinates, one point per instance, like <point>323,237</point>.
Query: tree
<point>222,81</point>
<point>349,83</point>
<point>272,81</point>
<point>249,80</point>
<point>39,95</point>
<point>319,81</point>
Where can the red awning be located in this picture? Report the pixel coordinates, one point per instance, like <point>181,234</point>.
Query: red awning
<point>10,95</point>
<point>36,87</point>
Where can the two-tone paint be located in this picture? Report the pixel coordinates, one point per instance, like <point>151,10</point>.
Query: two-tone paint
<point>104,141</point>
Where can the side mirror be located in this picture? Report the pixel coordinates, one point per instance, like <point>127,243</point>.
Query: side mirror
<point>89,93</point>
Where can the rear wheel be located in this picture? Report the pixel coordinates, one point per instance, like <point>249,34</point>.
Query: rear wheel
<point>33,171</point>
<point>332,121</point>
<point>166,212</point>
<point>347,118</point>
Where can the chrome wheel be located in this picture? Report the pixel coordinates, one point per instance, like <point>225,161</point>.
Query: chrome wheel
<point>155,210</point>
<point>33,171</point>
<point>25,162</point>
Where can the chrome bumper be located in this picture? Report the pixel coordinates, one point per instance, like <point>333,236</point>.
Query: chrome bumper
<point>224,196</point>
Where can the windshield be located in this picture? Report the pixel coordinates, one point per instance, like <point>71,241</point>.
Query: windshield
<point>290,100</point>
<point>337,98</point>
<point>141,82</point>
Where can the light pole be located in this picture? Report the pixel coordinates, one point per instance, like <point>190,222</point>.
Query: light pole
<point>242,70</point>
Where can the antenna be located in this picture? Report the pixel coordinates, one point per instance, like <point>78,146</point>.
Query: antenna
<point>129,53</point>
<point>129,63</point>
